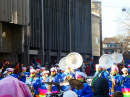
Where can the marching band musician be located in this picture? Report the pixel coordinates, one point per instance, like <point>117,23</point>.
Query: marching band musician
<point>53,78</point>
<point>34,81</point>
<point>126,82</point>
<point>87,90</point>
<point>11,72</point>
<point>116,80</point>
<point>23,74</point>
<point>66,76</point>
<point>101,72</point>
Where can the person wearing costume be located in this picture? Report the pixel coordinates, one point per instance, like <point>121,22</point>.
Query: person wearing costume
<point>34,81</point>
<point>87,90</point>
<point>44,87</point>
<point>23,74</point>
<point>53,78</point>
<point>10,72</point>
<point>115,80</point>
<point>126,83</point>
<point>101,72</point>
<point>65,77</point>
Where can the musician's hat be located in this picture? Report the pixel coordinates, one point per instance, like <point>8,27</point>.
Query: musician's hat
<point>46,71</point>
<point>115,67</point>
<point>57,64</point>
<point>52,69</point>
<point>43,68</point>
<point>37,70</point>
<point>10,69</point>
<point>32,71</point>
<point>30,67</point>
<point>98,66</point>
<point>24,68</point>
<point>124,69</point>
<point>70,93</point>
<point>81,74</point>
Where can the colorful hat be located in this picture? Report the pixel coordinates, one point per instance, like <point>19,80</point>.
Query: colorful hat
<point>128,66</point>
<point>124,69</point>
<point>43,68</point>
<point>30,67</point>
<point>38,70</point>
<point>46,71</point>
<point>32,71</point>
<point>53,69</point>
<point>24,68</point>
<point>81,74</point>
<point>115,67</point>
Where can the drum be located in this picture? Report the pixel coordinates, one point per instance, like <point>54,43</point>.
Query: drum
<point>32,90</point>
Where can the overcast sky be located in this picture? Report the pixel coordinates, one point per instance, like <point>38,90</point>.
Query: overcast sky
<point>111,10</point>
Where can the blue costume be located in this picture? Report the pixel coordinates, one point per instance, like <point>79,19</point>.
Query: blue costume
<point>126,85</point>
<point>62,78</point>
<point>54,88</point>
<point>35,83</point>
<point>14,75</point>
<point>118,83</point>
<point>85,92</point>
<point>23,78</point>
<point>102,74</point>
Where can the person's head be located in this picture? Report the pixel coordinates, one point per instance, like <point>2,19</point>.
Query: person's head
<point>53,71</point>
<point>125,71</point>
<point>68,69</point>
<point>38,70</point>
<point>32,72</point>
<point>21,65</point>
<point>128,66</point>
<point>24,69</point>
<point>42,69</point>
<point>117,94</point>
<point>10,70</point>
<point>46,72</point>
<point>80,76</point>
<point>114,70</point>
<point>100,86</point>
<point>98,68</point>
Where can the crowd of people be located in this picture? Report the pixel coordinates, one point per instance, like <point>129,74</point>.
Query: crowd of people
<point>49,82</point>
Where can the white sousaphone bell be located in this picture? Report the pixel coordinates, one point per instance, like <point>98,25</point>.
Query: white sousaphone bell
<point>106,61</point>
<point>117,57</point>
<point>74,60</point>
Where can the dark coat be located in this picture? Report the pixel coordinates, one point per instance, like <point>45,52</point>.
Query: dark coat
<point>101,87</point>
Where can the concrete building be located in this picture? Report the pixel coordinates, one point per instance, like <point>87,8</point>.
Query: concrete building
<point>96,30</point>
<point>44,29</point>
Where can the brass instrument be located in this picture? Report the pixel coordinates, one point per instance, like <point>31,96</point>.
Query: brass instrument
<point>113,85</point>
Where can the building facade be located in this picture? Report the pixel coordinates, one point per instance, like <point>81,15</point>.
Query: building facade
<point>111,45</point>
<point>96,30</point>
<point>44,29</point>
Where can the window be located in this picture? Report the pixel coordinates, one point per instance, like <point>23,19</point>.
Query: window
<point>97,40</point>
<point>108,45</point>
<point>115,45</point>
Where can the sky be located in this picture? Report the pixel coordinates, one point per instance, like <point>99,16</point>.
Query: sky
<point>111,10</point>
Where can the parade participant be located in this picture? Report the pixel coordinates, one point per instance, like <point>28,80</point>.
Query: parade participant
<point>38,71</point>
<point>87,90</point>
<point>101,72</point>
<point>42,69</point>
<point>44,87</point>
<point>23,74</point>
<point>98,67</point>
<point>53,78</point>
<point>128,66</point>
<point>34,81</point>
<point>115,81</point>
<point>126,83</point>
<point>10,72</point>
<point>65,77</point>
